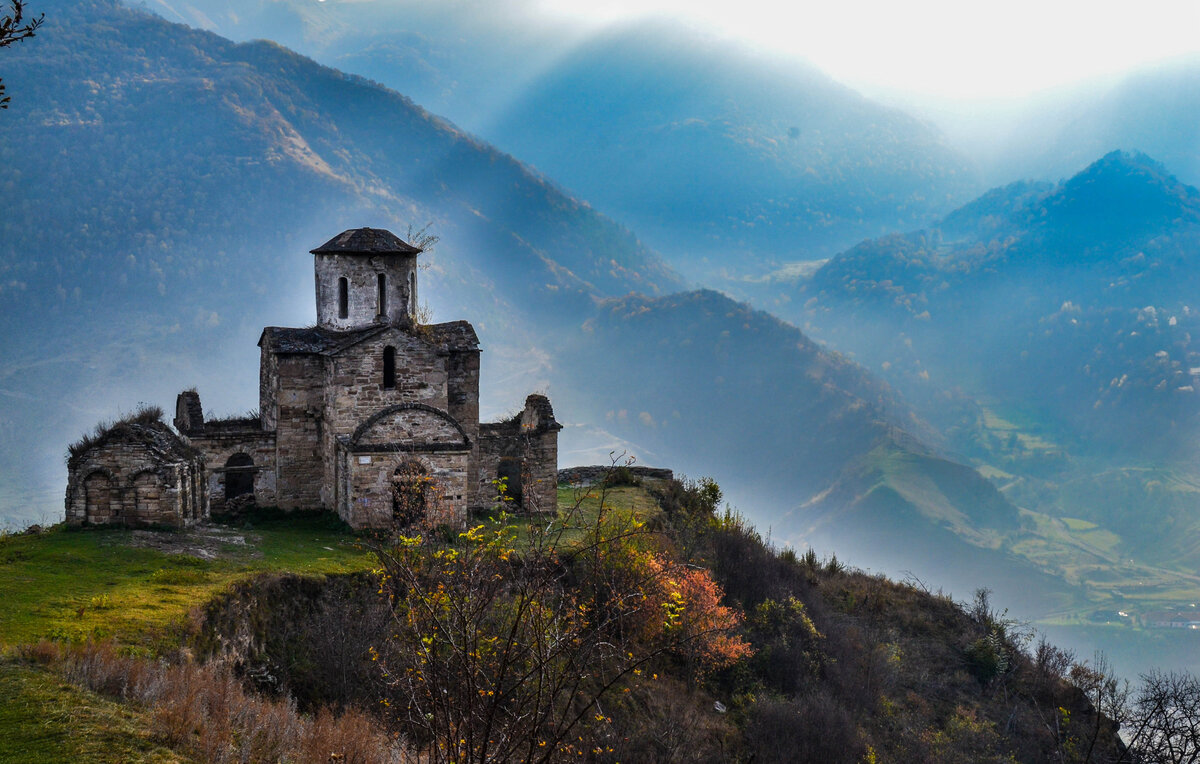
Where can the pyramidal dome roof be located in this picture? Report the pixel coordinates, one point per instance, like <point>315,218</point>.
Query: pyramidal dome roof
<point>366,241</point>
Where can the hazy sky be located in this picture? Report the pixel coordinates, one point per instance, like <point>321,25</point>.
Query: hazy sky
<point>940,48</point>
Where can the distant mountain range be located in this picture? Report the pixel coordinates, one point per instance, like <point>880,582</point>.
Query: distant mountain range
<point>721,159</point>
<point>1155,110</point>
<point>1050,332</point>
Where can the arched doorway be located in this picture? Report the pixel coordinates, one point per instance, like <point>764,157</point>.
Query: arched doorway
<point>412,490</point>
<point>239,476</point>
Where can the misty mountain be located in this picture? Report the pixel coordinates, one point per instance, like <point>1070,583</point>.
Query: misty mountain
<point>1155,109</point>
<point>712,152</point>
<point>166,184</point>
<point>1049,331</point>
<point>721,158</point>
<point>818,449</point>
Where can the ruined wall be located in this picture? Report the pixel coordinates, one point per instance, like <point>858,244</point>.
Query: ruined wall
<point>463,394</point>
<point>220,445</point>
<point>128,484</point>
<point>524,451</point>
<point>268,389</point>
<point>298,434</point>
<point>362,278</point>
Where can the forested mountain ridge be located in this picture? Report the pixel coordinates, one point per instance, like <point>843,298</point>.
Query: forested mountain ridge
<point>722,158</point>
<point>1049,332</point>
<point>1058,288</point>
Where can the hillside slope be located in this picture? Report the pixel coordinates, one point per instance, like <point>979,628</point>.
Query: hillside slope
<point>1048,331</point>
<point>722,158</point>
<point>833,665</point>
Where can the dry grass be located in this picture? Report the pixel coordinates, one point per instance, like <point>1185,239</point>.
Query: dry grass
<point>203,711</point>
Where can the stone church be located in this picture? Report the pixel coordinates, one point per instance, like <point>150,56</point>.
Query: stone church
<point>368,413</point>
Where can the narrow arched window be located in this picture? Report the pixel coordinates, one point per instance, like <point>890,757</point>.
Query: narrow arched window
<point>343,297</point>
<point>389,368</point>
<point>381,296</point>
<point>412,295</point>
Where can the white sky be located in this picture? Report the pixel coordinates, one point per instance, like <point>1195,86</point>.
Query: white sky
<point>940,48</point>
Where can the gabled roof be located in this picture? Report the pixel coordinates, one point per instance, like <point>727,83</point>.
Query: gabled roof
<point>450,336</point>
<point>366,241</point>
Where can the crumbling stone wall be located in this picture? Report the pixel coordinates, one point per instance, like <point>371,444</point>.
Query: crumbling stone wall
<point>524,450</point>
<point>219,441</point>
<point>129,479</point>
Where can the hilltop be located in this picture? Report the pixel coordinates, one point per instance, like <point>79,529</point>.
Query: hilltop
<point>833,664</point>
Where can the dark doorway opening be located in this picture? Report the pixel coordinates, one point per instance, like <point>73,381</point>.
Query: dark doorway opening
<point>509,472</point>
<point>239,476</point>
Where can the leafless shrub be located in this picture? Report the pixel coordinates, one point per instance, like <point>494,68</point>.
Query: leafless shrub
<point>1052,662</point>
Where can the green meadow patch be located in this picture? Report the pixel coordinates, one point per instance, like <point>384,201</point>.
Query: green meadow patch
<point>138,586</point>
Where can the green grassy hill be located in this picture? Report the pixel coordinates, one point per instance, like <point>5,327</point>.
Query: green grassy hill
<point>839,665</point>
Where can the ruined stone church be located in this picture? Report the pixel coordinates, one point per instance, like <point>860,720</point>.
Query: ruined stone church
<point>358,414</point>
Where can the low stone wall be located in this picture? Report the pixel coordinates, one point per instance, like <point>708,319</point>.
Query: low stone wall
<point>597,473</point>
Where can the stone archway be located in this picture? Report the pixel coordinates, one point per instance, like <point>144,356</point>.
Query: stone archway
<point>412,493</point>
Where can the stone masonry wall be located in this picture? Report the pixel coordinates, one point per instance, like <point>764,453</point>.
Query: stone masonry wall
<point>298,451</point>
<point>354,387</point>
<point>124,483</point>
<point>219,447</point>
<point>268,389</point>
<point>367,480</point>
<point>362,274</point>
<point>525,451</point>
<point>463,394</point>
